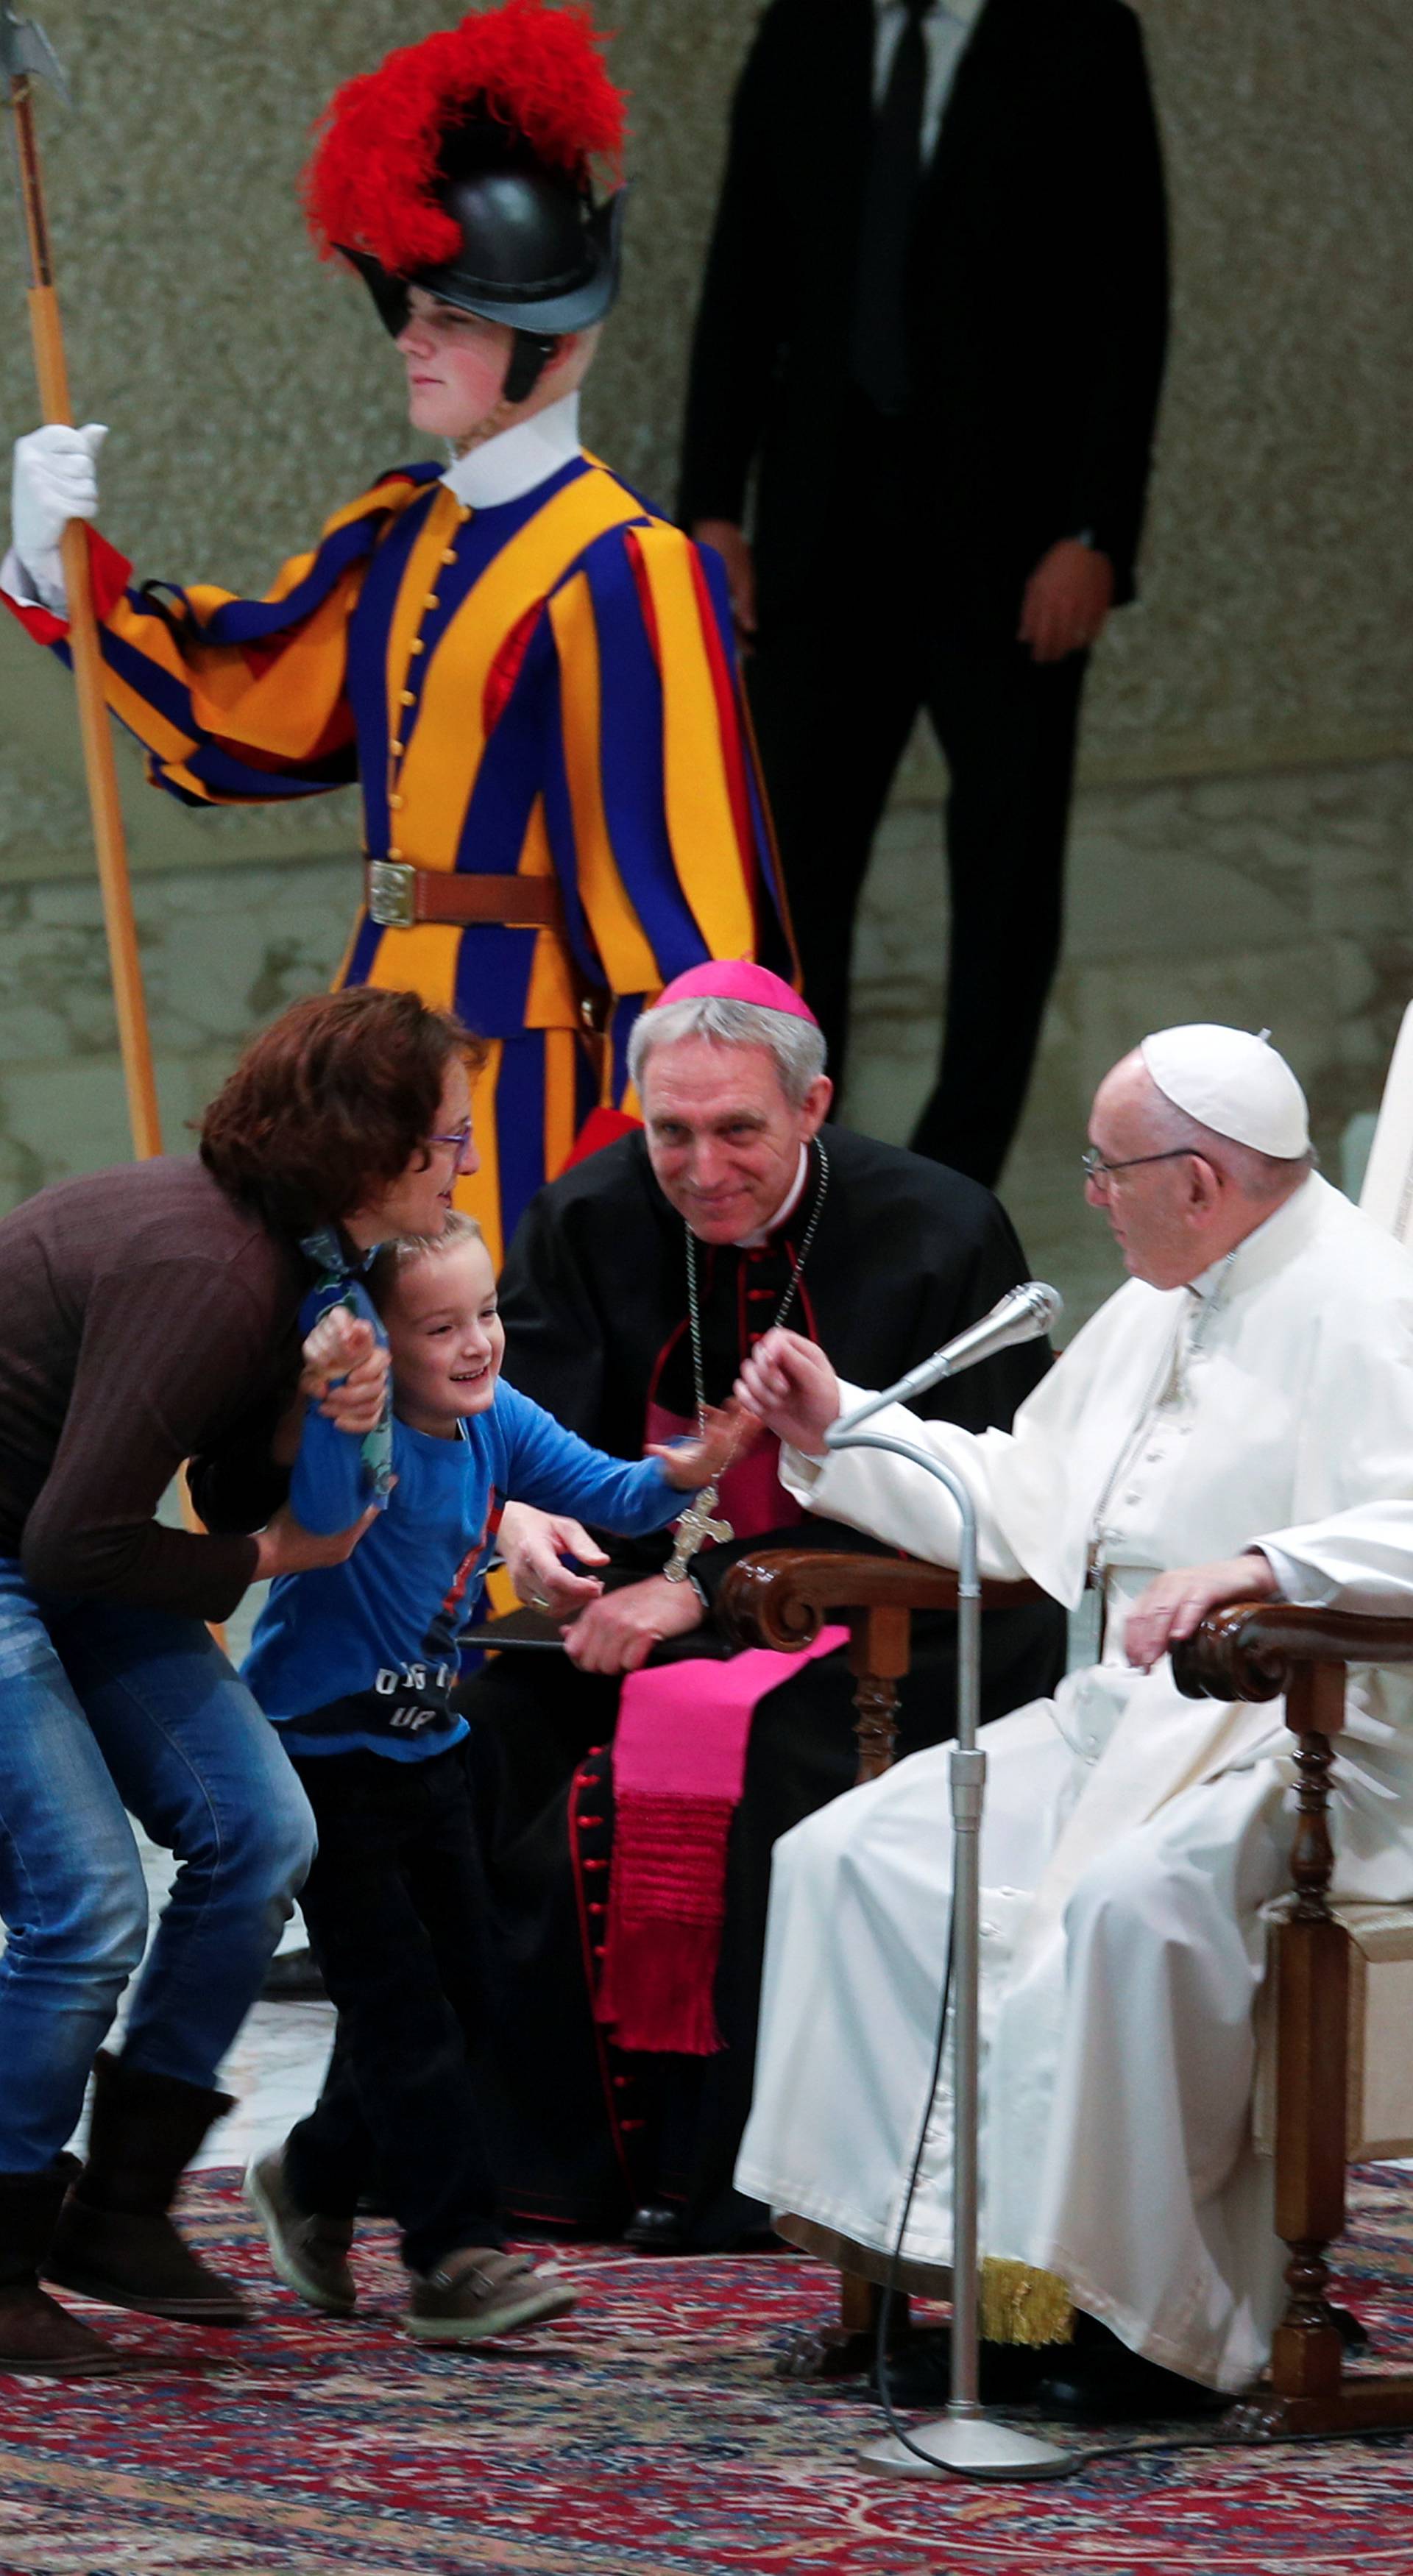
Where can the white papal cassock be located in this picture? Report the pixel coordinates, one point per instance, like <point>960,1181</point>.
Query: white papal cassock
<point>1131,1836</point>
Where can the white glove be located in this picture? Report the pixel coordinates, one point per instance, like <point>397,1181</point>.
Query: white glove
<point>55,480</point>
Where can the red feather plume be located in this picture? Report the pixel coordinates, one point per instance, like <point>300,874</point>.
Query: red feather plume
<point>373,178</point>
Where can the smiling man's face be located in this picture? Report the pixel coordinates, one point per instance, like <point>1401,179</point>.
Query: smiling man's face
<point>724,1137</point>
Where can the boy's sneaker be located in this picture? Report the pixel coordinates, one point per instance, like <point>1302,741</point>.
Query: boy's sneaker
<point>308,2249</point>
<point>480,2291</point>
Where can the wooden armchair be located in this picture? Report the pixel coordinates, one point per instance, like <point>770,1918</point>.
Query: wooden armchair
<point>783,1599</point>
<point>1334,2054</point>
<point>1341,2075</point>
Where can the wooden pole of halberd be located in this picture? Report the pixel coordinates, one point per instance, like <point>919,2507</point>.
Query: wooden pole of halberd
<point>95,729</point>
<point>105,805</point>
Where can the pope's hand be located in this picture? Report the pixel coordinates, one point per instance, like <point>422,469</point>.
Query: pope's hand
<point>1175,1605</point>
<point>619,1632</point>
<point>55,480</point>
<point>788,1383</point>
<point>532,1544</point>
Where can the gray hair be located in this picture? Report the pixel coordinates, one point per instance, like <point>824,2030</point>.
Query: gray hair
<point>795,1047</point>
<point>401,1250</point>
<point>1263,1178</point>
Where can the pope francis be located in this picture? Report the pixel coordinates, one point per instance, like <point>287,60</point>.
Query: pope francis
<point>1256,1371</point>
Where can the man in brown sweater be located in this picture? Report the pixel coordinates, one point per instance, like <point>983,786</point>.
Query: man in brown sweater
<point>150,1317</point>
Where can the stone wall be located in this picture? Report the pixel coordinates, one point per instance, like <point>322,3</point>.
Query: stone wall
<point>1241,833</point>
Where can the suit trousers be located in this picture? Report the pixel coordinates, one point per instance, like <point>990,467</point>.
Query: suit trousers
<point>836,681</point>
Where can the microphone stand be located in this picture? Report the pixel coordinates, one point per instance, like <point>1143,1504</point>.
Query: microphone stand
<point>966,2438</point>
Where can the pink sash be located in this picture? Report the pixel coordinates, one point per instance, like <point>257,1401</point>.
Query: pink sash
<point>679,1760</point>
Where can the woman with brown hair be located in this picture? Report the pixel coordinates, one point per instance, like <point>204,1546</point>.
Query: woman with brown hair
<point>150,1317</point>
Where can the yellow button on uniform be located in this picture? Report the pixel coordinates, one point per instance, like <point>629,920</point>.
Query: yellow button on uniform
<point>450,555</point>
<point>431,600</point>
<point>398,747</point>
<point>396,857</point>
<point>396,804</point>
<point>417,645</point>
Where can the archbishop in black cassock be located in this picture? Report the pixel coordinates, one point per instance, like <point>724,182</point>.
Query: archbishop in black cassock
<point>594,1298</point>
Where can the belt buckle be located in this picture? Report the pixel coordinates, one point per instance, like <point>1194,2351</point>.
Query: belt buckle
<point>392,894</point>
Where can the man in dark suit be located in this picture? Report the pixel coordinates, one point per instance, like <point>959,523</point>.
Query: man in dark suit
<point>932,329</point>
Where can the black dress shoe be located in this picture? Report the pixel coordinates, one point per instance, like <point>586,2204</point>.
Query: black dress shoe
<point>1101,2382</point>
<point>292,1978</point>
<point>919,2369</point>
<point>656,2228</point>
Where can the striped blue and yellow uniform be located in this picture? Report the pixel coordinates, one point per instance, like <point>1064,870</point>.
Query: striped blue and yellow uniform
<point>547,686</point>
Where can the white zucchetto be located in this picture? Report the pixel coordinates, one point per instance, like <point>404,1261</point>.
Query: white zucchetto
<point>1232,1082</point>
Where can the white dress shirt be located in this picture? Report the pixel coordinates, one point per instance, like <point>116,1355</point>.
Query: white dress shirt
<point>946,30</point>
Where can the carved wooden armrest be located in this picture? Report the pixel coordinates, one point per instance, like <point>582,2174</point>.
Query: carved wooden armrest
<point>784,1598</point>
<point>1257,1649</point>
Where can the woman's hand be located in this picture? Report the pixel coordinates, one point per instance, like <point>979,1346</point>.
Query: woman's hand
<point>346,1370</point>
<point>789,1385</point>
<point>1176,1604</point>
<point>286,1547</point>
<point>531,1545</point>
<point>727,1432</point>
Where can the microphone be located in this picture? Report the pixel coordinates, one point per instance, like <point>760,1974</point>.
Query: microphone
<point>1022,1315</point>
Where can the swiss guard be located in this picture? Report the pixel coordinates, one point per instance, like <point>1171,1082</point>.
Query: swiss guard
<point>529,671</point>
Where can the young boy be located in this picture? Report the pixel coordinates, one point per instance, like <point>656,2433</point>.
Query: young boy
<point>355,1664</point>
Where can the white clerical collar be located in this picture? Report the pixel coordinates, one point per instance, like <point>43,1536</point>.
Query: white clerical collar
<point>509,466</point>
<point>748,1242</point>
<point>1268,1246</point>
<point>965,11</point>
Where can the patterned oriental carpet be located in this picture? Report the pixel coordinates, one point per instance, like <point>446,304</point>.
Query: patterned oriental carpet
<point>643,2436</point>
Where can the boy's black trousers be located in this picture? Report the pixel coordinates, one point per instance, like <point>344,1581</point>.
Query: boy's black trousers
<point>396,1911</point>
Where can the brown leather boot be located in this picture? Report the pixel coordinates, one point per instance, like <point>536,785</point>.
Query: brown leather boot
<point>37,2335</point>
<point>114,2240</point>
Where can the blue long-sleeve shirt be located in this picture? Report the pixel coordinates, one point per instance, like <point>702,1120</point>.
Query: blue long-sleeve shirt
<point>361,1656</point>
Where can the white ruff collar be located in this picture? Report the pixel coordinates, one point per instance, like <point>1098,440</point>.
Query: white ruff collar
<point>511,465</point>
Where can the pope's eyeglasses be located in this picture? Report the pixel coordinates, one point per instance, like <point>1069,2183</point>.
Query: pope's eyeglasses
<point>1100,1172</point>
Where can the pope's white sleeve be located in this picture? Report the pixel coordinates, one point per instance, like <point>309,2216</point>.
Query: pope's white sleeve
<point>1356,1560</point>
<point>891,1499</point>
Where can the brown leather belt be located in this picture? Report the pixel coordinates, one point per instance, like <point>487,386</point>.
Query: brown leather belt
<point>399,896</point>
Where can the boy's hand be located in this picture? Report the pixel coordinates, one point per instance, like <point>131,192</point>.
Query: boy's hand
<point>531,1545</point>
<point>689,1464</point>
<point>346,1370</point>
<point>788,1383</point>
<point>286,1547</point>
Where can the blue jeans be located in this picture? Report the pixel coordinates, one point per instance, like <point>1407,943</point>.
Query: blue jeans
<point>104,1709</point>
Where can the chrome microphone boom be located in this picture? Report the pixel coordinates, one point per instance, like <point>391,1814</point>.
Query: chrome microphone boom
<point>1022,1315</point>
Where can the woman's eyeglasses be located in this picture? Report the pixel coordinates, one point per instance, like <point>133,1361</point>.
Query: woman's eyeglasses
<point>460,1137</point>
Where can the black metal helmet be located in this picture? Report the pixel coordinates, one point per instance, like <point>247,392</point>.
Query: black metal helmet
<point>536,253</point>
<point>485,132</point>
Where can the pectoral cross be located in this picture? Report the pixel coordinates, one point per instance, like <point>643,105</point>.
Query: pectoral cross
<point>696,1529</point>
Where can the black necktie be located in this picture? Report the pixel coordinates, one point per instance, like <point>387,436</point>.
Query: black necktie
<point>878,345</point>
